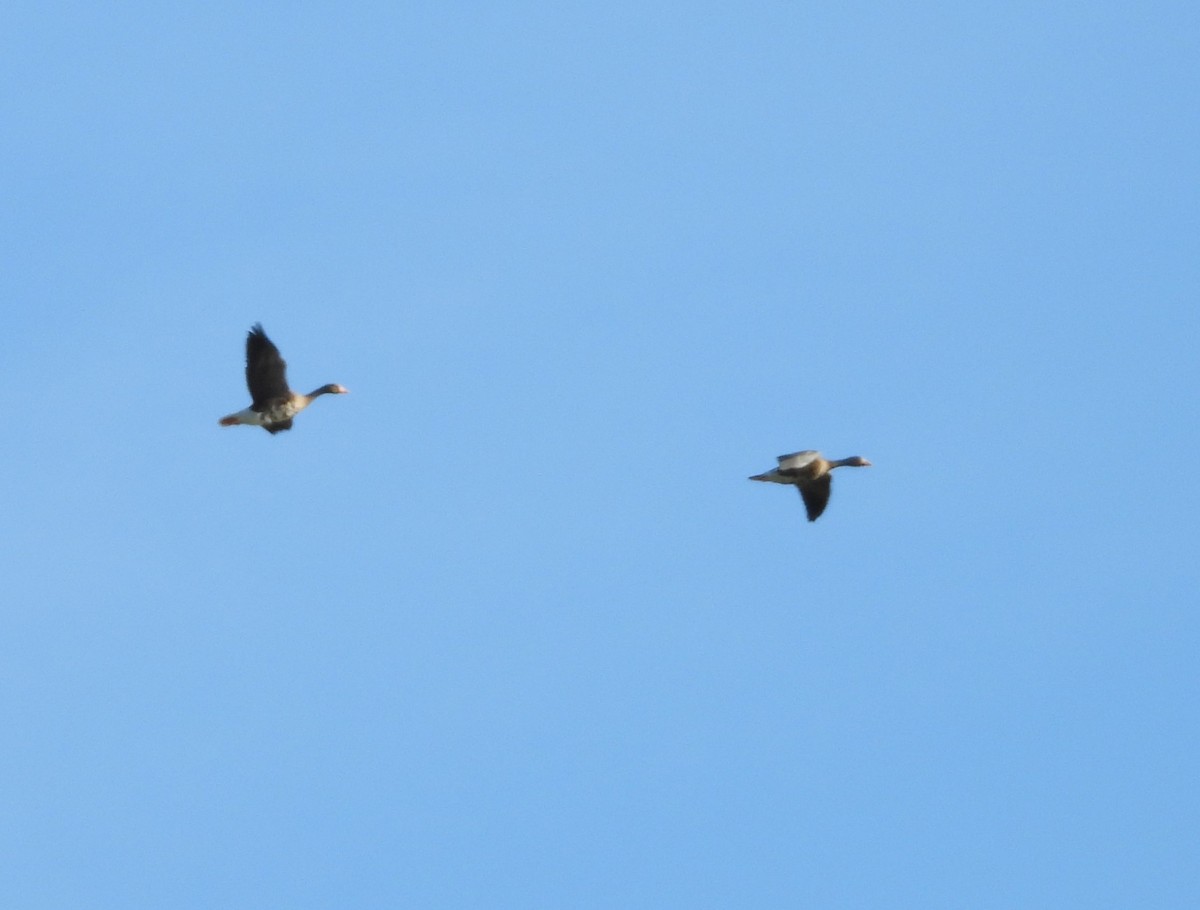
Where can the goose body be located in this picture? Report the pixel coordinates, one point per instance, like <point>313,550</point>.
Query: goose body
<point>272,403</point>
<point>809,473</point>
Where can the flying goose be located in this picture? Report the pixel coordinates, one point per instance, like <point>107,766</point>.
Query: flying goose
<point>810,474</point>
<point>273,404</point>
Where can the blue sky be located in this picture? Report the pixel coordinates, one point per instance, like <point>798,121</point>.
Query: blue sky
<point>507,626</point>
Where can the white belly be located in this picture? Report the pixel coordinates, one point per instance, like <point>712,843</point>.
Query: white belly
<point>250,417</point>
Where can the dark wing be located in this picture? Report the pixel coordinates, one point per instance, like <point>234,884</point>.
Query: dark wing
<point>274,428</point>
<point>266,371</point>
<point>816,495</point>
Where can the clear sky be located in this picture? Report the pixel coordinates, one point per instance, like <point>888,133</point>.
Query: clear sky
<point>507,626</point>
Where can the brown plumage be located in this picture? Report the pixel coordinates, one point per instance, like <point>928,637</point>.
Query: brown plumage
<point>810,474</point>
<point>273,404</point>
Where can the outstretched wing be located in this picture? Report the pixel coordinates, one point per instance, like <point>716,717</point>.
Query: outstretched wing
<point>266,371</point>
<point>797,459</point>
<point>816,495</point>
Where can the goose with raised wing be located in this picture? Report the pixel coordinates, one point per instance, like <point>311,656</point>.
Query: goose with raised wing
<point>812,475</point>
<point>272,403</point>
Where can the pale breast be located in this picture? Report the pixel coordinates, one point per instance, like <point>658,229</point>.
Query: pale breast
<point>282,409</point>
